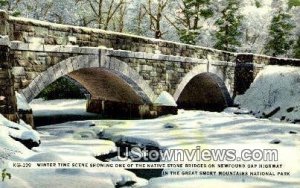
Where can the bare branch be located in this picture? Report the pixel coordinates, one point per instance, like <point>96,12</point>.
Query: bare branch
<point>111,12</point>
<point>172,23</point>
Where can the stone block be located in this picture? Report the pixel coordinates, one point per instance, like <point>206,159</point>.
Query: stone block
<point>75,64</point>
<point>174,58</point>
<point>153,74</point>
<point>69,65</point>
<point>40,83</point>
<point>31,75</point>
<point>51,75</point>
<point>35,40</point>
<point>26,92</point>
<point>66,49</point>
<point>4,75</point>
<point>18,71</point>
<point>148,56</point>
<point>61,40</point>
<point>35,47</point>
<point>93,61</point>
<point>64,67</point>
<point>45,79</point>
<point>139,55</point>
<point>51,48</point>
<point>82,61</point>
<point>106,63</point>
<point>34,89</point>
<point>50,40</point>
<point>41,31</point>
<point>121,53</point>
<point>83,37</point>
<point>57,70</point>
<point>86,50</point>
<point>114,64</point>
<point>17,45</point>
<point>146,68</point>
<point>72,40</point>
<point>24,83</point>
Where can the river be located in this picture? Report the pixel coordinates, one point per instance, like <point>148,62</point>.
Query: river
<point>189,130</point>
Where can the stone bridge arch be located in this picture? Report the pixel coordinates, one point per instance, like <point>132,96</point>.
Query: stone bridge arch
<point>111,67</point>
<point>202,89</point>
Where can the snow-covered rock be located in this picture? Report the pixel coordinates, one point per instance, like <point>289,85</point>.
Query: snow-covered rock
<point>20,132</point>
<point>165,99</point>
<point>11,148</point>
<point>275,141</point>
<point>22,103</point>
<point>235,110</point>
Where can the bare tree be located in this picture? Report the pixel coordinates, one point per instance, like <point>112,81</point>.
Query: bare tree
<point>155,11</point>
<point>37,9</point>
<point>141,15</point>
<point>118,20</point>
<point>137,21</point>
<point>104,11</point>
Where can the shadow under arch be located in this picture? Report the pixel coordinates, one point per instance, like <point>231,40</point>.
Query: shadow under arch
<point>85,68</point>
<point>105,84</point>
<point>204,91</point>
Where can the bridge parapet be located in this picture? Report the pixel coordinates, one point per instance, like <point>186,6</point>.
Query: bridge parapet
<point>41,32</point>
<point>47,33</point>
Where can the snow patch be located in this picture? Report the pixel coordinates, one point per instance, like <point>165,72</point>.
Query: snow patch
<point>41,107</point>
<point>165,99</point>
<point>22,102</point>
<point>45,156</point>
<point>234,110</point>
<point>19,131</point>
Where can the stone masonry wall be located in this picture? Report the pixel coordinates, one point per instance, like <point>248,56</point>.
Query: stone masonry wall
<point>161,74</point>
<point>29,64</point>
<point>33,31</point>
<point>45,33</point>
<point>8,104</point>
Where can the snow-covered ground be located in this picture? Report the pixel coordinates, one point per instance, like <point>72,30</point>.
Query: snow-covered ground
<point>210,130</point>
<point>274,87</point>
<point>41,107</point>
<point>78,141</point>
<point>70,142</point>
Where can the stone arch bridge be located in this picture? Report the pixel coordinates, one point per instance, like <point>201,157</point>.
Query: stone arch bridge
<point>119,67</point>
